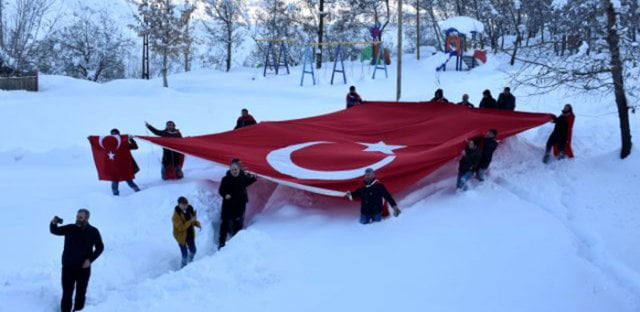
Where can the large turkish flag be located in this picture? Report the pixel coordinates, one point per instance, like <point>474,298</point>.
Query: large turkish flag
<point>328,154</point>
<point>112,156</point>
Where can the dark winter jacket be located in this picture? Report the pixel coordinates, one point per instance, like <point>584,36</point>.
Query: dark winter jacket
<point>488,102</point>
<point>183,224</point>
<point>506,101</point>
<point>439,99</point>
<point>467,104</point>
<point>133,145</point>
<point>488,146</point>
<point>244,121</point>
<point>470,160</point>
<point>80,244</point>
<point>371,196</point>
<point>353,99</point>
<point>561,129</point>
<point>169,157</point>
<point>234,207</point>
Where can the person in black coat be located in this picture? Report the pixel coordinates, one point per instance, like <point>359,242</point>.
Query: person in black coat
<point>487,100</point>
<point>169,157</point>
<point>560,134</point>
<point>506,100</point>
<point>233,189</point>
<point>465,101</point>
<point>133,145</point>
<point>372,196</point>
<point>468,164</point>
<point>439,97</point>
<point>82,246</point>
<point>488,145</point>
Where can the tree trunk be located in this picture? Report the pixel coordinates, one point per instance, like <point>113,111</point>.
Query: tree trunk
<point>618,79</point>
<point>1,24</point>
<point>165,65</point>
<point>518,41</point>
<point>418,29</point>
<point>399,70</point>
<point>436,28</point>
<point>320,35</point>
<point>229,44</point>
<point>187,52</point>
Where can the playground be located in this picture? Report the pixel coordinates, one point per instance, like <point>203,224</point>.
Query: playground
<point>350,62</point>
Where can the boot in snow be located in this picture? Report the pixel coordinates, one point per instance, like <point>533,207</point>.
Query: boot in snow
<point>546,158</point>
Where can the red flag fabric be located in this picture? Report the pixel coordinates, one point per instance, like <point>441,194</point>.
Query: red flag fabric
<point>402,141</point>
<point>112,157</point>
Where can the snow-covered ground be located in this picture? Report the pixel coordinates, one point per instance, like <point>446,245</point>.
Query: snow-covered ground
<point>533,237</point>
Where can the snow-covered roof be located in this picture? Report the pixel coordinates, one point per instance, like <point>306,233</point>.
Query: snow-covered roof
<point>463,24</point>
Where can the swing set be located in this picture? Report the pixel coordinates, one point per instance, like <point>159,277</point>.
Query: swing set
<point>338,58</point>
<point>276,57</point>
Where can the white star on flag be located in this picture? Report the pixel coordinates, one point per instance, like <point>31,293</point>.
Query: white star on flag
<point>111,155</point>
<point>381,147</point>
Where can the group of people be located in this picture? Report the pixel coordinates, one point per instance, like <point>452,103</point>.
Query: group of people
<point>83,243</point>
<point>506,100</point>
<point>478,152</point>
<point>172,161</point>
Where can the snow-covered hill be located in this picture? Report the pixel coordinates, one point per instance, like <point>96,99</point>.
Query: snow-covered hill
<point>533,237</point>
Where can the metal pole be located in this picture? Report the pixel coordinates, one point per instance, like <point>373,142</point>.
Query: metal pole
<point>399,70</point>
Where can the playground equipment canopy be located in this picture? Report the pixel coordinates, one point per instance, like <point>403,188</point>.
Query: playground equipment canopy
<point>463,24</point>
<point>402,141</point>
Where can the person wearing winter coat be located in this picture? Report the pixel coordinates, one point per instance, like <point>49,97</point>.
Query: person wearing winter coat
<point>245,119</point>
<point>439,97</point>
<point>184,220</point>
<point>465,101</point>
<point>487,100</point>
<point>560,138</point>
<point>233,189</point>
<point>468,164</point>
<point>488,145</point>
<point>353,98</point>
<point>133,145</point>
<point>170,159</point>
<point>506,100</point>
<point>82,246</point>
<point>372,199</point>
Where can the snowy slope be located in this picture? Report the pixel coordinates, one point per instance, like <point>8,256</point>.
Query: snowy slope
<point>559,237</point>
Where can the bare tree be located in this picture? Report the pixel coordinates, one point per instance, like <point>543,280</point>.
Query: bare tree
<point>22,30</point>
<point>91,47</point>
<point>166,30</point>
<point>228,21</point>
<point>600,66</point>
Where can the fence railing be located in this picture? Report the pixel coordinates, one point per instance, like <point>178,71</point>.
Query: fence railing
<point>29,83</point>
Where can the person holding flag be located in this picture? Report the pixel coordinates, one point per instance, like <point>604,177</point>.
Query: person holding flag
<point>372,199</point>
<point>171,161</point>
<point>113,160</point>
<point>133,145</point>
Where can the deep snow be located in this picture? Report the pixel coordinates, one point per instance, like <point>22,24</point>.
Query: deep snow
<point>533,237</point>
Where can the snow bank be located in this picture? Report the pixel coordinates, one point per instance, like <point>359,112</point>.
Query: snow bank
<point>464,24</point>
<point>532,237</point>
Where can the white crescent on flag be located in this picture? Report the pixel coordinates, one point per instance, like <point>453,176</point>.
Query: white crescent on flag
<point>281,161</point>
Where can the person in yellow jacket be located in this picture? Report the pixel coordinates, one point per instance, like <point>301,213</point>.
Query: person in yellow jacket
<point>184,219</point>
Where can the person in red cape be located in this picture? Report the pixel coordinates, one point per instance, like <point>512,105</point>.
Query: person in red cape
<point>245,119</point>
<point>171,161</point>
<point>353,98</point>
<point>132,146</point>
<point>560,138</point>
<point>372,199</point>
